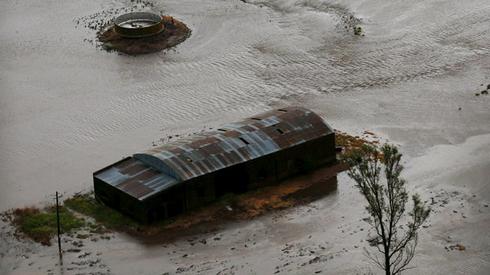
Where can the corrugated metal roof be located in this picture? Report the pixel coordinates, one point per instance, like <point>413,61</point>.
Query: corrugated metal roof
<point>136,178</point>
<point>161,167</point>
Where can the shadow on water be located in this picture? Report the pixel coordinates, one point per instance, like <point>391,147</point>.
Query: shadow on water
<point>61,268</point>
<point>316,191</point>
<point>245,208</point>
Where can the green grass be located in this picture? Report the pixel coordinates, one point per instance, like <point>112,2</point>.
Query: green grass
<point>87,205</point>
<point>40,225</point>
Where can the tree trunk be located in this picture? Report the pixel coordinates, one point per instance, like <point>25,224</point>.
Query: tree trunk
<point>387,262</point>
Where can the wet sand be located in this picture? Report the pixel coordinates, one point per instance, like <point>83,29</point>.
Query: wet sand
<point>67,108</point>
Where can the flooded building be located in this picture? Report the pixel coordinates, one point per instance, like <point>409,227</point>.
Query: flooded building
<point>193,171</point>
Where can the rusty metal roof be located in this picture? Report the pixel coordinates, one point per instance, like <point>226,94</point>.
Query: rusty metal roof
<point>159,168</point>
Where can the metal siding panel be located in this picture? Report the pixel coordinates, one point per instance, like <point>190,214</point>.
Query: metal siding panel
<point>112,176</point>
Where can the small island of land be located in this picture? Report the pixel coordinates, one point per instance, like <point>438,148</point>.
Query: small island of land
<point>174,33</point>
<point>82,213</point>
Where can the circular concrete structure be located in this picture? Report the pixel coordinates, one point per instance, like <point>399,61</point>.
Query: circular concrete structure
<point>138,24</point>
<point>149,41</point>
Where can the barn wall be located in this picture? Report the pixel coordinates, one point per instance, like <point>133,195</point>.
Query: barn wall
<point>200,191</point>
<point>267,170</point>
<point>166,204</point>
<point>119,200</point>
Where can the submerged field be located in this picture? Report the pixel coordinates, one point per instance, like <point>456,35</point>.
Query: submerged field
<point>416,78</point>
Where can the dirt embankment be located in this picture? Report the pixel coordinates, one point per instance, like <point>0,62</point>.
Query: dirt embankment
<point>174,33</point>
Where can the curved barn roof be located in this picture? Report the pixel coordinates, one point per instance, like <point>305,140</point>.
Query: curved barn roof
<point>235,143</point>
<point>207,152</point>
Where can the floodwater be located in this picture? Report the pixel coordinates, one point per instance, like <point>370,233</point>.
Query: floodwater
<point>68,108</point>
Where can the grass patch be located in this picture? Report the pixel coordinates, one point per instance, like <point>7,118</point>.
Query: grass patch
<point>351,143</point>
<point>87,205</point>
<point>40,224</point>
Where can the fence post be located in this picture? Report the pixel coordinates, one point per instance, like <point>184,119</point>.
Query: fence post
<point>58,223</point>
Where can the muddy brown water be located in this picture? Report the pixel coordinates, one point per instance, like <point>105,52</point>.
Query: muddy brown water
<point>67,109</point>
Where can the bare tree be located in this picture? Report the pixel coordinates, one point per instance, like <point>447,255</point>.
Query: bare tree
<point>386,200</point>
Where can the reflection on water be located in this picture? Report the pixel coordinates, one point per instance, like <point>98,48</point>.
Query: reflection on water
<point>316,191</point>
